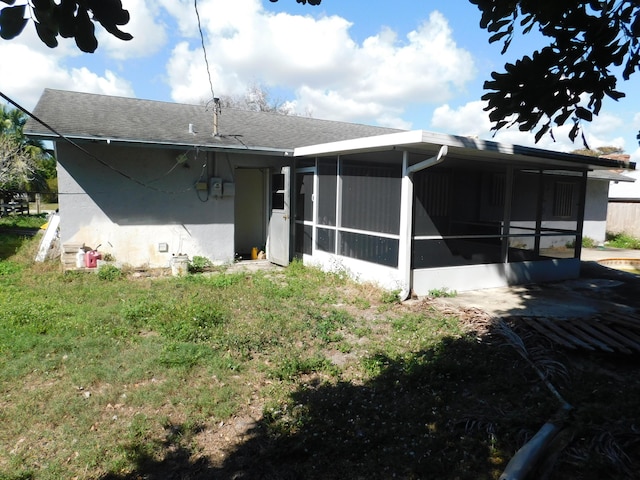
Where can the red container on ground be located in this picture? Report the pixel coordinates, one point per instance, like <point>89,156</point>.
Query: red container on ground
<point>91,258</point>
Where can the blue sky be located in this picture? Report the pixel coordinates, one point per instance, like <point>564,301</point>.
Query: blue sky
<point>415,64</point>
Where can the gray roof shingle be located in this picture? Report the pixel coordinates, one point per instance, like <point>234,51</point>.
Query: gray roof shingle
<point>90,116</point>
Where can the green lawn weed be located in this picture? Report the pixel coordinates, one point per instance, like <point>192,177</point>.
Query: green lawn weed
<point>126,378</point>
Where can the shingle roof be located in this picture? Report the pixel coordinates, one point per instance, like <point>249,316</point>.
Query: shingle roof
<point>119,119</point>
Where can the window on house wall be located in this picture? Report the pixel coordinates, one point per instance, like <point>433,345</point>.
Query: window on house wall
<point>277,191</point>
<point>563,199</point>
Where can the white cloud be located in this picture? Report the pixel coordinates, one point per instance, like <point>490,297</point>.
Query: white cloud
<point>188,76</point>
<point>471,120</point>
<point>330,74</point>
<point>84,80</point>
<point>467,120</point>
<point>149,33</point>
<point>33,69</point>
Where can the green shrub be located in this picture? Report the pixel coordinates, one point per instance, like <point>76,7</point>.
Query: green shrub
<point>443,292</point>
<point>390,296</point>
<point>623,240</point>
<point>109,273</point>
<point>198,264</point>
<point>588,242</point>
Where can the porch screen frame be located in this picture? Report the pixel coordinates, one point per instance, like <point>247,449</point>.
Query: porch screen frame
<point>441,248</point>
<point>363,244</point>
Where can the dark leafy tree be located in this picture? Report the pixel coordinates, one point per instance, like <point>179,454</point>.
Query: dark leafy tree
<point>589,45</point>
<point>65,18</point>
<point>25,164</point>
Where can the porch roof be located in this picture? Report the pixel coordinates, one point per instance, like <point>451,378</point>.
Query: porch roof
<point>428,143</point>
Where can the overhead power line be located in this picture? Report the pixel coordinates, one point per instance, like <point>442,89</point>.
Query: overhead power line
<point>83,150</point>
<point>204,49</point>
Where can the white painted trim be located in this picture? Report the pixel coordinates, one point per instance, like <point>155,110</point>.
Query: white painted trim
<point>364,143</point>
<point>473,147</point>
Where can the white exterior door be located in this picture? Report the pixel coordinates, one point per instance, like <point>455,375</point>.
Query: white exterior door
<point>279,238</point>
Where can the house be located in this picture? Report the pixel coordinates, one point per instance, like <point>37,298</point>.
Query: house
<point>598,209</point>
<point>623,213</point>
<point>410,210</point>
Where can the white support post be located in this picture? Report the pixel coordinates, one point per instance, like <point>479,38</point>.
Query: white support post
<point>406,217</point>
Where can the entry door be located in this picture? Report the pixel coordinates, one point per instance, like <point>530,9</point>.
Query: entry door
<point>278,247</point>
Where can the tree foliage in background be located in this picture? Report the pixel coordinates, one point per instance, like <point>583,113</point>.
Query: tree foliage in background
<point>589,45</point>
<point>25,164</point>
<point>257,98</point>
<point>599,151</point>
<point>66,18</point>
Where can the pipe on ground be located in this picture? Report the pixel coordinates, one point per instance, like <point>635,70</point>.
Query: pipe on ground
<point>528,457</point>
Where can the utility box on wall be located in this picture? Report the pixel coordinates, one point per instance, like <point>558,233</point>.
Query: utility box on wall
<point>215,187</point>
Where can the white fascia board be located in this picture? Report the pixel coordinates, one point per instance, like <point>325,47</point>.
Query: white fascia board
<point>411,138</point>
<point>377,142</point>
<point>420,139</point>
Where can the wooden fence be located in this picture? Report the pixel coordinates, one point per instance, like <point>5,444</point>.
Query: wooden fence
<point>623,216</point>
<point>14,206</point>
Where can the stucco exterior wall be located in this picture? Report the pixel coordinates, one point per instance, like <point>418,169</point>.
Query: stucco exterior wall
<point>142,199</point>
<point>595,210</point>
<point>623,215</point>
<point>626,189</point>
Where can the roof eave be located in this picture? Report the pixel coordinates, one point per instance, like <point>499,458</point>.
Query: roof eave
<point>160,144</point>
<point>423,140</point>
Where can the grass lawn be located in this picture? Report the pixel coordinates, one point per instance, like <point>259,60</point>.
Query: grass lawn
<point>279,374</point>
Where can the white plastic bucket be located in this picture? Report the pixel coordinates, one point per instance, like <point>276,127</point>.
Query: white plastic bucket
<point>179,265</point>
